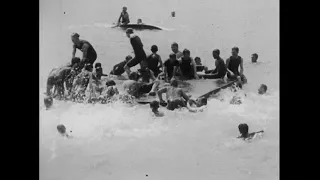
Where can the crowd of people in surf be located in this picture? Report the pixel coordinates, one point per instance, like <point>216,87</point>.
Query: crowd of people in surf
<point>80,79</point>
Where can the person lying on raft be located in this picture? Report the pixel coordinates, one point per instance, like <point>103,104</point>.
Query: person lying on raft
<point>220,71</point>
<point>244,131</point>
<point>118,69</point>
<point>188,66</point>
<point>136,88</point>
<point>176,97</point>
<point>233,63</point>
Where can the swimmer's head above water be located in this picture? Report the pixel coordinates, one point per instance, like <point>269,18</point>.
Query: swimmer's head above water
<point>61,129</point>
<point>174,47</point>
<point>263,89</point>
<point>129,31</point>
<point>254,57</point>
<point>154,48</point>
<point>235,51</point>
<point>75,38</point>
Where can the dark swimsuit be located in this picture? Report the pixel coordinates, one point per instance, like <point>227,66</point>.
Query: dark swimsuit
<point>186,68</point>
<point>91,53</point>
<point>153,61</point>
<point>118,69</point>
<point>233,66</point>
<point>139,53</point>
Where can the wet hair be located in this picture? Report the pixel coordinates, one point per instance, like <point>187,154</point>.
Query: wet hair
<point>173,55</point>
<point>75,35</point>
<point>174,83</point>
<point>235,48</point>
<point>255,55</point>
<point>48,101</point>
<point>129,31</point>
<point>97,65</point>
<point>264,87</point>
<point>128,57</point>
<point>133,76</point>
<point>175,44</point>
<point>88,67</point>
<point>197,58</point>
<point>110,83</point>
<point>216,51</point>
<point>154,48</point>
<point>154,104</point>
<point>243,128</point>
<point>186,51</point>
<point>61,128</point>
<point>75,60</point>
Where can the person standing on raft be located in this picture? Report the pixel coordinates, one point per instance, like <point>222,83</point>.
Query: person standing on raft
<point>139,53</point>
<point>89,54</point>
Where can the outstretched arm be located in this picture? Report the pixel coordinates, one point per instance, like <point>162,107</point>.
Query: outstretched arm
<point>160,92</point>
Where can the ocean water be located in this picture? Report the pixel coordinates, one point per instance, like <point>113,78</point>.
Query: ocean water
<point>117,141</point>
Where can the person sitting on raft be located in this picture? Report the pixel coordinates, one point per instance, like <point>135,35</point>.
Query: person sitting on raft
<point>118,69</point>
<point>188,66</point>
<point>220,71</point>
<point>145,74</point>
<point>154,61</point>
<point>124,17</point>
<point>137,88</point>
<point>244,131</point>
<point>170,67</point>
<point>176,97</point>
<point>232,64</point>
<point>199,65</point>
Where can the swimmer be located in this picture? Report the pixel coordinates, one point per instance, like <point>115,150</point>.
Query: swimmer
<point>48,101</point>
<point>154,61</point>
<point>188,66</point>
<point>198,102</point>
<point>58,79</point>
<point>175,50</point>
<point>263,89</point>
<point>62,130</point>
<point>124,16</point>
<point>254,57</point>
<point>98,72</point>
<point>89,55</point>
<point>244,131</point>
<point>176,97</point>
<point>118,69</point>
<point>233,63</point>
<point>199,65</point>
<point>137,46</point>
<point>154,105</point>
<point>170,67</point>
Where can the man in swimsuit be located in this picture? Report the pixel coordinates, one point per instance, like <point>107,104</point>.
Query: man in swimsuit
<point>124,16</point>
<point>154,61</point>
<point>188,66</point>
<point>176,97</point>
<point>170,67</point>
<point>232,64</point>
<point>145,74</point>
<point>118,69</point>
<point>244,131</point>
<point>137,46</point>
<point>89,55</point>
<point>220,71</point>
<point>137,88</point>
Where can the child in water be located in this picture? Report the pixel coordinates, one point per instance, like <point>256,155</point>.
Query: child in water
<point>244,131</point>
<point>154,105</point>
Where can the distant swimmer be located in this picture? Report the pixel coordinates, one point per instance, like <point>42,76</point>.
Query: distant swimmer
<point>63,130</point>
<point>89,55</point>
<point>187,66</point>
<point>263,89</point>
<point>176,98</point>
<point>48,101</point>
<point>137,46</point>
<point>220,71</point>
<point>124,17</point>
<point>233,63</point>
<point>170,67</point>
<point>154,105</point>
<point>244,131</point>
<point>118,69</point>
<point>154,61</point>
<point>254,58</point>
<point>140,21</point>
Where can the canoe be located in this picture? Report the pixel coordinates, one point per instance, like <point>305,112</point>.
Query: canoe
<point>140,27</point>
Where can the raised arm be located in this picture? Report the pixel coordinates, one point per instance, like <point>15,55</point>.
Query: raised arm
<point>160,92</point>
